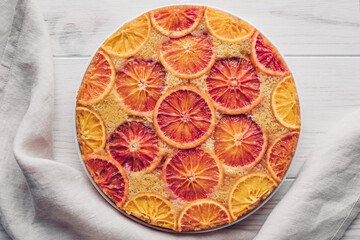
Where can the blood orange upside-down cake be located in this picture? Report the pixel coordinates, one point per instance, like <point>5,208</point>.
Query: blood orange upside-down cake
<point>187,118</point>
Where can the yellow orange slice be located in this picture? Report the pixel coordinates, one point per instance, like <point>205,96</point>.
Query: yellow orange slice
<point>203,214</point>
<point>135,146</point>
<point>233,85</point>
<point>239,141</point>
<point>280,154</point>
<point>130,38</point>
<point>192,174</point>
<point>98,80</point>
<point>176,21</point>
<point>227,27</point>
<point>249,192</point>
<point>285,103</point>
<point>187,57</point>
<point>265,56</point>
<point>91,132</point>
<point>139,85</point>
<point>109,176</point>
<point>184,117</point>
<point>152,208</point>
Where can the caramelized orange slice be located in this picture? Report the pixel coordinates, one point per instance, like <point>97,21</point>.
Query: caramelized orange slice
<point>176,21</point>
<point>227,27</point>
<point>239,141</point>
<point>188,57</point>
<point>249,192</point>
<point>285,103</point>
<point>98,80</point>
<point>265,56</point>
<point>109,176</point>
<point>139,85</point>
<point>135,146</point>
<point>184,117</point>
<point>130,38</point>
<point>203,214</point>
<point>280,154</point>
<point>192,174</point>
<point>152,208</point>
<point>233,86</point>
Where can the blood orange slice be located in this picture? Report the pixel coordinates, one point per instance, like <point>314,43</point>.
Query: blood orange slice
<point>184,117</point>
<point>135,146</point>
<point>188,57</point>
<point>109,176</point>
<point>203,214</point>
<point>239,141</point>
<point>248,193</point>
<point>233,86</point>
<point>280,154</point>
<point>266,57</point>
<point>98,80</point>
<point>192,174</point>
<point>139,84</point>
<point>176,21</point>
<point>91,132</point>
<point>285,103</point>
<point>130,38</point>
<point>152,208</point>
<point>226,27</point>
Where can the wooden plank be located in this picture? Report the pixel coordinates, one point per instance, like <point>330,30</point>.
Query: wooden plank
<point>297,27</point>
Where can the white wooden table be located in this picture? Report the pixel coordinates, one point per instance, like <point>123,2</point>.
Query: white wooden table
<point>320,40</point>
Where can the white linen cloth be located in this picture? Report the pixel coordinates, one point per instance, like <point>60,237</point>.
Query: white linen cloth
<point>41,198</point>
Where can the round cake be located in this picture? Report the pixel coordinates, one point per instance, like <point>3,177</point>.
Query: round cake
<point>187,118</point>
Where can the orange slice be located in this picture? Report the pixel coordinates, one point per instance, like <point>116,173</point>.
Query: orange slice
<point>233,86</point>
<point>98,80</point>
<point>152,208</point>
<point>130,38</point>
<point>139,85</point>
<point>184,117</point>
<point>203,214</point>
<point>226,27</point>
<point>239,141</point>
<point>280,154</point>
<point>188,57</point>
<point>265,56</point>
<point>91,132</point>
<point>248,193</point>
<point>109,176</point>
<point>192,174</point>
<point>176,21</point>
<point>285,103</point>
<point>135,146</point>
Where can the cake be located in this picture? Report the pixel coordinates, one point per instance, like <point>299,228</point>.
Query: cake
<point>187,118</point>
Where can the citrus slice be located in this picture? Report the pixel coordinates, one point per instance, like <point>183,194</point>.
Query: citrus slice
<point>91,132</point>
<point>226,27</point>
<point>130,38</point>
<point>152,208</point>
<point>192,174</point>
<point>139,84</point>
<point>265,56</point>
<point>187,57</point>
<point>239,141</point>
<point>280,154</point>
<point>176,21</point>
<point>233,86</point>
<point>98,80</point>
<point>109,176</point>
<point>184,117</point>
<point>135,146</point>
<point>285,103</point>
<point>248,193</point>
<point>203,214</point>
